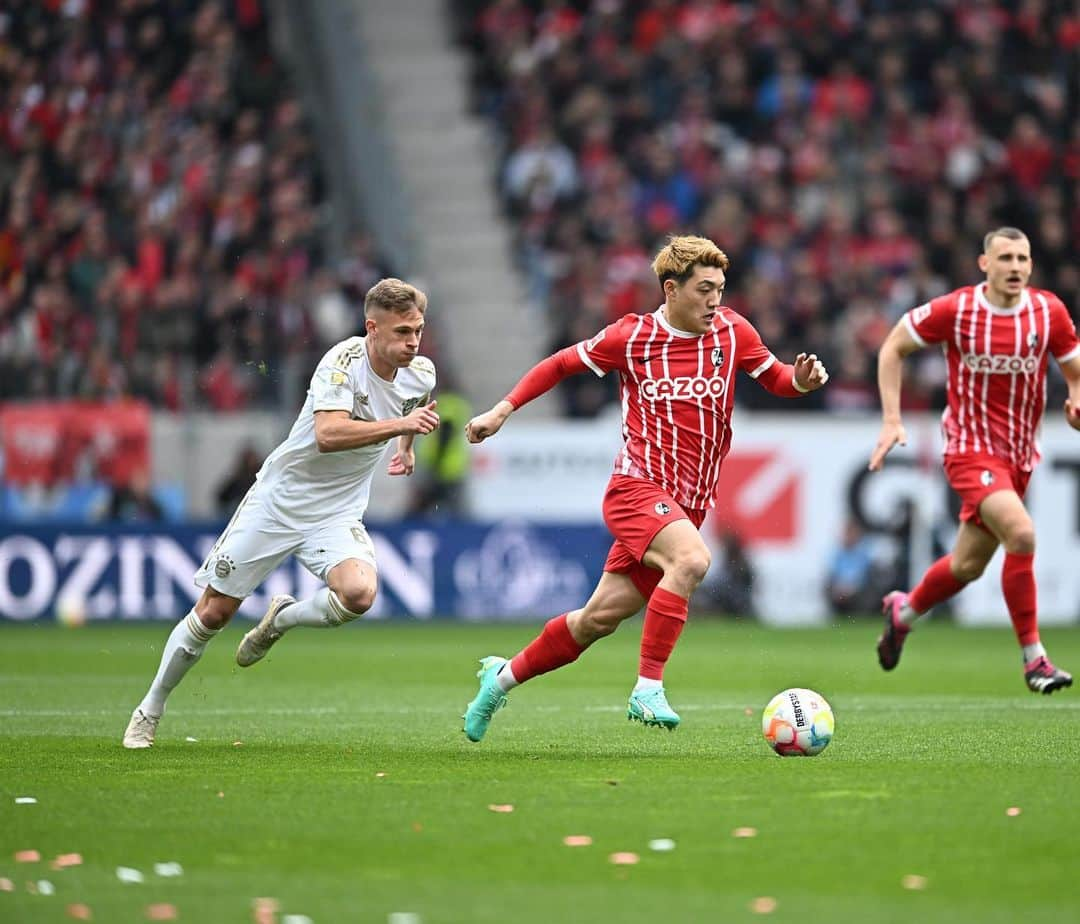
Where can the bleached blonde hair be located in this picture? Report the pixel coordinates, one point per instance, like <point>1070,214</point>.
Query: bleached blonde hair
<point>681,254</point>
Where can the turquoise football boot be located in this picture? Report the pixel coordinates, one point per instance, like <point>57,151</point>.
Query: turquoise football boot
<point>650,707</point>
<point>489,700</point>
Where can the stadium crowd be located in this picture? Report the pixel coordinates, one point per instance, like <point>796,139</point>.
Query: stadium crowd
<point>848,156</point>
<point>160,208</point>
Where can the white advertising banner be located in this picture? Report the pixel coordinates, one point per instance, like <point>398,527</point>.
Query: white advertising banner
<point>789,486</point>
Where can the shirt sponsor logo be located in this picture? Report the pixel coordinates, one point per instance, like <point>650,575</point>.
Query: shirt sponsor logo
<point>680,389</point>
<point>1000,363</point>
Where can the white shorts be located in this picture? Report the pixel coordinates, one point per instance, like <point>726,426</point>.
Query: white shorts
<point>255,542</point>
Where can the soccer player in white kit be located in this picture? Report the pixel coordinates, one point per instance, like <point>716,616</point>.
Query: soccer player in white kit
<point>309,497</point>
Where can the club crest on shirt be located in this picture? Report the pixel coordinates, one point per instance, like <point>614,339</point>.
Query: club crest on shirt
<point>1032,339</point>
<point>987,477</point>
<point>718,356</point>
<point>223,567</point>
<point>662,509</point>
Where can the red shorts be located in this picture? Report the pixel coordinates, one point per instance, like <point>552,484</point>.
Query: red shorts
<point>635,510</point>
<point>975,476</point>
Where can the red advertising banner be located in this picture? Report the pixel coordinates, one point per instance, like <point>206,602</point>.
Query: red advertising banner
<point>46,443</point>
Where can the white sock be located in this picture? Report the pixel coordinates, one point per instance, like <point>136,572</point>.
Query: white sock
<point>322,611</point>
<point>505,678</point>
<point>184,647</point>
<point>908,616</point>
<point>647,683</point>
<point>1033,651</point>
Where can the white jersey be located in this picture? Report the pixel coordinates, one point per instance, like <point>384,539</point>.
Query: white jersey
<point>303,486</point>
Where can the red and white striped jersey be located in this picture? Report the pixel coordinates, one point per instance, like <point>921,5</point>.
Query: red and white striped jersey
<point>677,391</point>
<point>996,358</point>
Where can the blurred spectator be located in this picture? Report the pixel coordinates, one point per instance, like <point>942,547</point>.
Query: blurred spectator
<point>241,477</point>
<point>133,502</point>
<point>851,582</point>
<point>729,585</point>
<point>849,156</point>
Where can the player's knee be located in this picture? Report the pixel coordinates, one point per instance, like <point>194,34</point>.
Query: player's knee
<point>357,598</point>
<point>692,566</point>
<point>215,611</point>
<point>1021,540</point>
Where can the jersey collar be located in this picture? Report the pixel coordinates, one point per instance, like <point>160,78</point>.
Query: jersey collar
<point>674,331</point>
<point>980,290</point>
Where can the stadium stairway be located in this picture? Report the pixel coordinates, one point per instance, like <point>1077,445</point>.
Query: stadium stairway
<point>445,159</point>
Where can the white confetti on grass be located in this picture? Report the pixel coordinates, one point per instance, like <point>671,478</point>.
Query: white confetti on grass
<point>44,887</point>
<point>128,874</point>
<point>296,919</point>
<point>662,844</point>
<point>169,869</point>
<point>403,917</point>
<point>25,800</point>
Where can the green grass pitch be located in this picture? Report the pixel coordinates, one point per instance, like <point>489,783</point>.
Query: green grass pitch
<point>334,778</point>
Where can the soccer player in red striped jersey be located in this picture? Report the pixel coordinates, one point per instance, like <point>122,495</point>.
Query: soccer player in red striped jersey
<point>676,370</point>
<point>997,337</point>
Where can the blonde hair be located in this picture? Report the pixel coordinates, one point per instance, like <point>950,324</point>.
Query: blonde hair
<point>681,254</point>
<point>1013,234</point>
<point>394,295</point>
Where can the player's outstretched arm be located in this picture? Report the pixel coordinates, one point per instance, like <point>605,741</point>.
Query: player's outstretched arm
<point>541,378</point>
<point>898,344</point>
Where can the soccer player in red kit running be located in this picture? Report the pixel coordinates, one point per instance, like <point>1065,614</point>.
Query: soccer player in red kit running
<point>996,336</point>
<point>676,371</point>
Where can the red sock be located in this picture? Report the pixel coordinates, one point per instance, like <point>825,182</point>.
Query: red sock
<point>665,617</point>
<point>1018,584</point>
<point>552,648</point>
<point>937,584</point>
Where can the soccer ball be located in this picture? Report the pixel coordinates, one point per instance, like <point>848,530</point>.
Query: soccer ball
<point>797,723</point>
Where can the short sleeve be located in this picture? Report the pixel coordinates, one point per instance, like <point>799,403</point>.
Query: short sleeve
<point>932,322</point>
<point>753,356</point>
<point>332,389</point>
<point>607,350</point>
<point>1064,344</point>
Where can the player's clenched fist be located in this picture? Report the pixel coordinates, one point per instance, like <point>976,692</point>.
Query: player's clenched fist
<point>810,372</point>
<point>489,423</point>
<point>422,420</point>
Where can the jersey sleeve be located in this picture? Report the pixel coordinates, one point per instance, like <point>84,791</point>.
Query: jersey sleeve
<point>932,322</point>
<point>1064,344</point>
<point>425,372</point>
<point>607,350</point>
<point>332,385</point>
<point>753,356</point>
